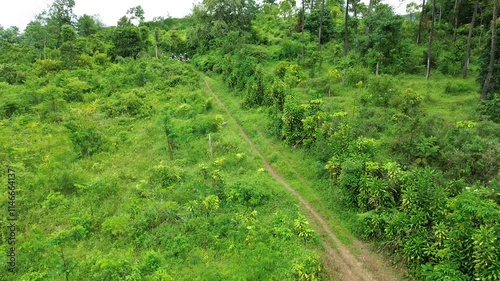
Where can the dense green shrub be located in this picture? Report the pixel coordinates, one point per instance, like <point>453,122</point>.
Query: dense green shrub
<point>165,176</point>
<point>491,108</point>
<point>130,103</point>
<point>87,139</point>
<point>381,90</point>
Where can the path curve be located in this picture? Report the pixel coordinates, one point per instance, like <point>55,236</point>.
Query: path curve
<point>341,263</point>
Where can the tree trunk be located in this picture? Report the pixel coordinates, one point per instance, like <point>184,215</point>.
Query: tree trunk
<point>455,25</point>
<point>302,27</point>
<point>469,40</point>
<point>320,31</point>
<point>376,68</point>
<point>440,13</point>
<point>346,33</point>
<point>422,14</point>
<point>156,50</point>
<point>44,46</point>
<point>429,48</point>
<point>370,7</point>
<point>321,25</point>
<point>491,66</point>
<point>481,17</point>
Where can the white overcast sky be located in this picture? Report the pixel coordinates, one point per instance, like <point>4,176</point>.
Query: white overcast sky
<point>20,12</point>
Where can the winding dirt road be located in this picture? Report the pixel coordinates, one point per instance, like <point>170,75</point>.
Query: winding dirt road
<point>340,263</point>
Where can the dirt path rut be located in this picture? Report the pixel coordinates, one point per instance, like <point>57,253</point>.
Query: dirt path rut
<point>340,262</point>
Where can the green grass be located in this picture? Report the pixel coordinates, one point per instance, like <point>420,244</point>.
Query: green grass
<point>130,208</point>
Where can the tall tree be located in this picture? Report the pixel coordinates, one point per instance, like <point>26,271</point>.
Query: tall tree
<point>136,13</point>
<point>157,39</point>
<point>354,7</point>
<point>469,39</point>
<point>422,15</point>
<point>346,28</point>
<point>321,25</point>
<point>384,33</point>
<point>87,25</point>
<point>431,35</point>
<point>411,9</point>
<point>128,41</point>
<point>491,66</point>
<point>455,23</point>
<point>302,28</point>
<point>61,13</point>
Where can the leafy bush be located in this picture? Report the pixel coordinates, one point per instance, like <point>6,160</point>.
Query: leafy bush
<point>381,90</point>
<point>355,75</point>
<point>350,180</point>
<point>86,139</point>
<point>290,49</point>
<point>491,108</point>
<point>307,269</point>
<point>11,74</point>
<point>114,268</point>
<point>131,103</point>
<point>165,176</point>
<point>116,227</point>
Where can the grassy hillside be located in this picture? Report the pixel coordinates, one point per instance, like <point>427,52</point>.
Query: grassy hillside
<point>116,182</point>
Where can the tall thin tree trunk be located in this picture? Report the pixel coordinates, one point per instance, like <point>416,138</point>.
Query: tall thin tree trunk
<point>481,25</point>
<point>321,25</point>
<point>491,66</point>
<point>469,40</point>
<point>422,14</point>
<point>455,25</point>
<point>440,13</point>
<point>302,27</point>
<point>320,31</point>
<point>370,7</point>
<point>157,38</point>
<point>44,45</point>
<point>429,48</point>
<point>346,33</point>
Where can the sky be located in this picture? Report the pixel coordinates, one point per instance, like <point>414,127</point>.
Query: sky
<point>20,12</point>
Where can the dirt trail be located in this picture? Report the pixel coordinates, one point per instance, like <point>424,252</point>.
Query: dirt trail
<point>340,263</point>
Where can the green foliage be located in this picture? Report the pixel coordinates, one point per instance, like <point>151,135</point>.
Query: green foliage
<point>414,160</point>
<point>165,176</point>
<point>116,227</point>
<point>457,88</point>
<point>87,25</point>
<point>292,122</point>
<point>384,32</point>
<point>11,74</point>
<point>491,108</point>
<point>303,230</point>
<point>128,103</point>
<point>87,139</point>
<point>381,91</point>
<point>307,269</point>
<point>484,61</point>
<point>47,65</point>
<point>113,268</point>
<point>128,41</point>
